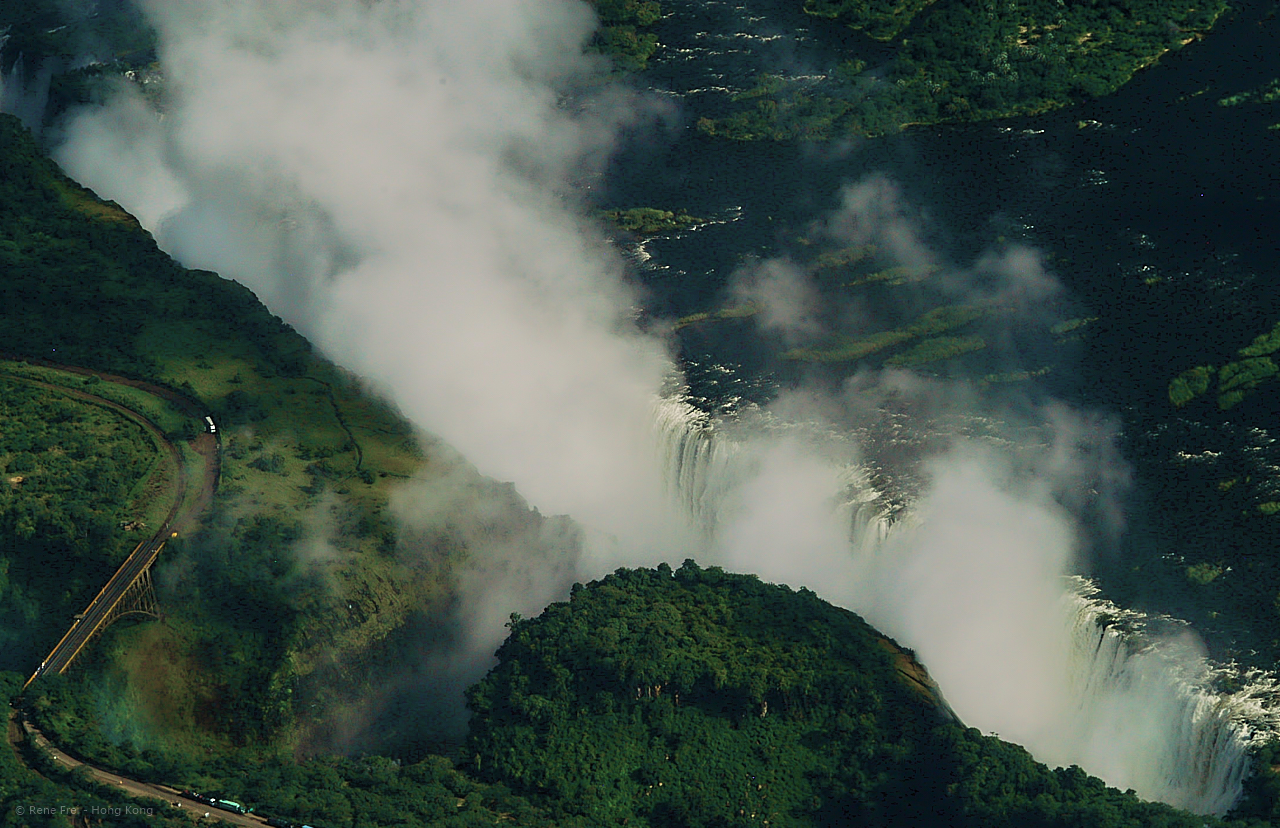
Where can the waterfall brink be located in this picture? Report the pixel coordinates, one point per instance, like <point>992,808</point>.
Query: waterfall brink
<point>698,466</point>
<point>870,518</point>
<point>1141,684</point>
<point>702,465</point>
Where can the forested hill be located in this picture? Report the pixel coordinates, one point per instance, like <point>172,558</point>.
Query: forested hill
<point>696,697</point>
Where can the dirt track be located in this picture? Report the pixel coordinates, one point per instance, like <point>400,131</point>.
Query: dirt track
<point>206,445</point>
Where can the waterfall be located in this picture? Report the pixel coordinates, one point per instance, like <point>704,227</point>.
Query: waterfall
<point>1140,683</point>
<point>696,464</point>
<point>870,517</point>
<point>701,465</point>
<point>1142,707</point>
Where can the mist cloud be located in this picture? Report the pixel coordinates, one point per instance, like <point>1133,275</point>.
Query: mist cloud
<point>393,179</point>
<point>397,179</point>
<point>873,210</point>
<point>788,302</point>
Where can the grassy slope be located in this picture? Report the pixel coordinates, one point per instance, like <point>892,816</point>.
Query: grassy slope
<point>308,456</point>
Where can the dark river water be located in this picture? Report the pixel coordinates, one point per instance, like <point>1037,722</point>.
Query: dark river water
<point>1157,209</point>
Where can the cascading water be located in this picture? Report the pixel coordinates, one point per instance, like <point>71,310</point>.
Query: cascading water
<point>1139,682</point>
<point>1143,710</point>
<point>702,467</point>
<point>870,518</point>
<point>697,464</point>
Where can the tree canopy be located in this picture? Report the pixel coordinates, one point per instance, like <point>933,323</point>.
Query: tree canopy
<point>696,697</point>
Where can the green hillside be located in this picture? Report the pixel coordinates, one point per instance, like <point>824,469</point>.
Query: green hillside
<point>309,462</point>
<point>696,697</point>
<point>655,697</point>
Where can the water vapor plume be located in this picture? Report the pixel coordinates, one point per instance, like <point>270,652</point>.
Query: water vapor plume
<point>874,210</point>
<point>400,180</point>
<point>787,301</point>
<point>507,557</point>
<point>397,179</point>
<point>394,179</point>
<point>975,586</point>
<point>501,557</point>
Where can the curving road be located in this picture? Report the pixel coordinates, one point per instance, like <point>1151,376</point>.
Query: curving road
<point>88,623</point>
<point>187,506</point>
<point>163,793</point>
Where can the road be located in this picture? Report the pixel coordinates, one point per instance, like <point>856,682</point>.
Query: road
<point>144,555</point>
<point>132,787</point>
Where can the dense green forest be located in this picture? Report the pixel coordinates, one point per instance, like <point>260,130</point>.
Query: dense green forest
<point>696,697</point>
<point>325,792</point>
<point>625,31</point>
<point>689,697</point>
<point>36,793</point>
<point>955,60</point>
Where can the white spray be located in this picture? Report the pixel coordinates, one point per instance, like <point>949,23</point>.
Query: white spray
<point>972,578</point>
<point>395,179</point>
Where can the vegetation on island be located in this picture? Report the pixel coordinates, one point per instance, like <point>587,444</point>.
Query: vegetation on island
<point>936,349</point>
<point>745,311</point>
<point>919,328</point>
<point>878,19</point>
<point>624,33</point>
<point>650,221</point>
<point>1234,380</point>
<point>1264,94</point>
<point>963,61</point>
<point>927,325</point>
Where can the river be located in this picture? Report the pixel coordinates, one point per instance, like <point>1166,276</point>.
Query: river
<point>1154,208</point>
